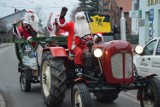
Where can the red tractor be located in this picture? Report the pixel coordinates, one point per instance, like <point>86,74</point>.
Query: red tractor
<point>108,70</point>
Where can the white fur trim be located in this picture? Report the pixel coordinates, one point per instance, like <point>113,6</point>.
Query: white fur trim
<point>64,34</point>
<point>73,46</point>
<point>29,37</point>
<point>20,36</point>
<point>18,33</point>
<point>60,23</point>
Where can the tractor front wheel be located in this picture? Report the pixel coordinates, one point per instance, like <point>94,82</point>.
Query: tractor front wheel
<point>53,80</point>
<point>149,96</point>
<point>80,96</point>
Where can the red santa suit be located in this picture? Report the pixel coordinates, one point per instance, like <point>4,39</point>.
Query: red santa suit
<point>23,32</point>
<point>29,27</point>
<point>54,30</point>
<point>76,30</point>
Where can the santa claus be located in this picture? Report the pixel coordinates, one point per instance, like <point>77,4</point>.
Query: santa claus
<point>27,30</point>
<point>29,26</point>
<point>76,30</point>
<point>53,28</point>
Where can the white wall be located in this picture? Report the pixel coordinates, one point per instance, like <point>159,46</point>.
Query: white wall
<point>143,30</point>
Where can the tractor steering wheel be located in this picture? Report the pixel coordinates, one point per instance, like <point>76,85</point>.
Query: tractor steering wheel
<point>84,38</point>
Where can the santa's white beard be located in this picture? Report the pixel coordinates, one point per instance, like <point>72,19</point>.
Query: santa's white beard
<point>34,26</point>
<point>81,28</point>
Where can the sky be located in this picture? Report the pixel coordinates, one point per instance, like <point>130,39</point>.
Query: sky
<point>7,6</point>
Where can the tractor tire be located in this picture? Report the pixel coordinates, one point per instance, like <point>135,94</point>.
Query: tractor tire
<point>53,80</point>
<point>149,96</point>
<point>107,97</point>
<point>80,96</point>
<point>25,84</point>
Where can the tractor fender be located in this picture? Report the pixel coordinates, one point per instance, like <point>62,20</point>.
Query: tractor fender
<point>81,80</point>
<point>56,51</point>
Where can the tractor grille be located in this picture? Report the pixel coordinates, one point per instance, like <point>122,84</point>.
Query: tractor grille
<point>117,65</point>
<point>128,65</point>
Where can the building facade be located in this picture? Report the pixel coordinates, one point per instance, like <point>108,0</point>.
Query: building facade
<point>148,23</point>
<point>6,22</point>
<point>135,15</point>
<point>112,8</point>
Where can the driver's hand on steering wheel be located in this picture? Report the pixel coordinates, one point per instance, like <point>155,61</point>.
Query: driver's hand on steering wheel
<point>88,38</point>
<point>83,41</point>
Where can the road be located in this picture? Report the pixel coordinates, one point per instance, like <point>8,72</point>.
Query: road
<point>9,85</point>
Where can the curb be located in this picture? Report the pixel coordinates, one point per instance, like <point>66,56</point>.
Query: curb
<point>4,45</point>
<point>2,102</point>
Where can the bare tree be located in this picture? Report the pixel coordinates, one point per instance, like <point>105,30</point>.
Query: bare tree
<point>74,11</point>
<point>3,27</point>
<point>40,14</point>
<point>3,32</point>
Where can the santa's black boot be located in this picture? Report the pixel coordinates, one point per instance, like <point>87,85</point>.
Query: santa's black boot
<point>79,69</point>
<point>19,66</point>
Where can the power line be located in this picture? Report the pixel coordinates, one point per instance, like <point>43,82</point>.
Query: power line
<point>4,5</point>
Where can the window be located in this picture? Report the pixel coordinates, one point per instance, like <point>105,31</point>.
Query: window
<point>149,48</point>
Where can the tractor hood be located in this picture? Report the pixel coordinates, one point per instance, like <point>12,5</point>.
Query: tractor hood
<point>115,46</point>
<point>117,61</point>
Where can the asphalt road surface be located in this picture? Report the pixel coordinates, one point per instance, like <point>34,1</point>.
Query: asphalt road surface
<point>10,87</point>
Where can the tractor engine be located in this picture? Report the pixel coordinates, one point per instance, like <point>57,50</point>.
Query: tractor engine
<point>116,60</point>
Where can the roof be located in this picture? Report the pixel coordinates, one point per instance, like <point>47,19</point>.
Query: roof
<point>13,14</point>
<point>125,4</point>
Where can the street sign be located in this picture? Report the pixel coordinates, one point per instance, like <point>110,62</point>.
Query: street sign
<point>135,13</point>
<point>151,14</point>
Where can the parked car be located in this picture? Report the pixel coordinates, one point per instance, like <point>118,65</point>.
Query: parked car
<point>147,59</point>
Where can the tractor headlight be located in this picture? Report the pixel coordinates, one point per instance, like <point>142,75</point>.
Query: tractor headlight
<point>98,53</point>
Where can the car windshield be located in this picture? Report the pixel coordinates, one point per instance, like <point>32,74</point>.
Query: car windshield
<point>149,49</point>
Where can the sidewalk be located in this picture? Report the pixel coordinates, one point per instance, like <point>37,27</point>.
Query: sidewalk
<point>4,44</point>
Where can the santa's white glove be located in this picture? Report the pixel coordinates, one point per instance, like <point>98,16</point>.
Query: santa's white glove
<point>30,39</point>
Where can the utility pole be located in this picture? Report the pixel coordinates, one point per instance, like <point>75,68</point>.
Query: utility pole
<point>122,21</point>
<point>122,25</point>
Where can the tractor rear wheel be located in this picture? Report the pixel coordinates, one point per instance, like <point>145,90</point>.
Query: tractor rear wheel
<point>149,96</point>
<point>53,80</point>
<point>25,84</point>
<point>80,96</point>
<point>107,97</point>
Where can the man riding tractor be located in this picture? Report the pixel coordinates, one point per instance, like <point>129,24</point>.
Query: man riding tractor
<point>104,69</point>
